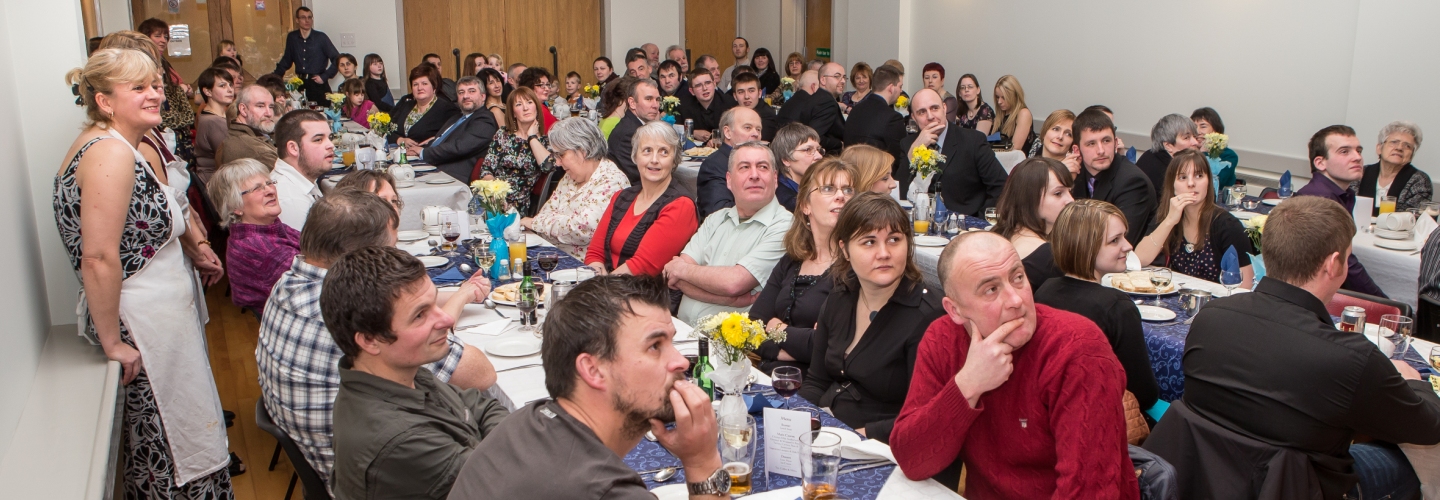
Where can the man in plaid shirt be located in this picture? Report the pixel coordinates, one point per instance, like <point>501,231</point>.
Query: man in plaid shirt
<point>297,357</point>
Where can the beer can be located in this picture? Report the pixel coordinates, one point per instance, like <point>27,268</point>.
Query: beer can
<point>1353,319</point>
<point>689,128</point>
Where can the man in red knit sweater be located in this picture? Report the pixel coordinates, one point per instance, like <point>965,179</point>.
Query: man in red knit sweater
<point>1026,397</point>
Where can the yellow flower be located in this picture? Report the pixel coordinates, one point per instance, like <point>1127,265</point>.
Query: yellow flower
<point>1258,222</point>
<point>732,331</point>
<point>767,102</point>
<point>335,98</point>
<point>902,101</point>
<point>295,80</point>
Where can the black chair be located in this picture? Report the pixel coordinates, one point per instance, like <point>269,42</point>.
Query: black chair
<point>1427,319</point>
<point>314,487</point>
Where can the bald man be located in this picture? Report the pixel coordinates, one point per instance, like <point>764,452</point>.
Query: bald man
<point>971,178</point>
<point>1026,397</point>
<point>652,55</point>
<point>816,107</point>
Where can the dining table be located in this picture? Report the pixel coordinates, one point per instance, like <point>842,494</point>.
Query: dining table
<point>520,380</point>
<point>430,187</point>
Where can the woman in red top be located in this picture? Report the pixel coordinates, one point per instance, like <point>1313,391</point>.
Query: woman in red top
<point>655,220</point>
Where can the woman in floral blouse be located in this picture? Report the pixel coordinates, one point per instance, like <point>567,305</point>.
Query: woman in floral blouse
<point>520,151</point>
<point>570,217</point>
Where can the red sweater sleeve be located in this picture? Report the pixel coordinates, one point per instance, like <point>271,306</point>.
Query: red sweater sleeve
<point>936,418</point>
<point>596,251</point>
<point>666,237</point>
<point>1092,458</point>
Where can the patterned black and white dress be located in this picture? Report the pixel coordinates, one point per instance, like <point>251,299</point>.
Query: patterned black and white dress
<point>148,465</point>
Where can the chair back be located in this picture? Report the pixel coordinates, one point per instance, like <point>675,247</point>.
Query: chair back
<point>1212,461</point>
<point>1375,307</point>
<point>1427,319</point>
<point>314,487</point>
<point>1269,193</point>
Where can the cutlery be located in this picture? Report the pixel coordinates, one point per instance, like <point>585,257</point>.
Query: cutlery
<point>490,304</point>
<point>664,474</point>
<point>531,365</point>
<point>866,466</point>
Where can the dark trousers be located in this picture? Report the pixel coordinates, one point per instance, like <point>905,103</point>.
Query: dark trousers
<point>1385,473</point>
<point>315,92</point>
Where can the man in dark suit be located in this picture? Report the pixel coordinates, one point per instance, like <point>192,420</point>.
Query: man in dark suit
<point>672,81</point>
<point>704,106</point>
<point>814,106</point>
<point>643,106</point>
<point>746,88</point>
<point>463,139</point>
<point>874,120</point>
<point>1106,175</point>
<point>738,126</point>
<point>971,178</point>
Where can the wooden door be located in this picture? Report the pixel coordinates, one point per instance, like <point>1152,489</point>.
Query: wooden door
<point>519,30</point>
<point>709,29</point>
<point>817,27</point>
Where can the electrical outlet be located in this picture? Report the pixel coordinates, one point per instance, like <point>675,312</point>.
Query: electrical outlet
<point>347,40</point>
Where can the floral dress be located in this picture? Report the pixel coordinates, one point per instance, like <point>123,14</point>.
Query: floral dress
<point>985,113</point>
<point>511,160</point>
<point>571,216</point>
<point>148,467</point>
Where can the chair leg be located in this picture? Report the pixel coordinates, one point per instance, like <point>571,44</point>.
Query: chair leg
<point>275,457</point>
<point>294,476</point>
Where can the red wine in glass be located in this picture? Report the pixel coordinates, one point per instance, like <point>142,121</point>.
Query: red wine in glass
<point>787,388</point>
<point>548,261</point>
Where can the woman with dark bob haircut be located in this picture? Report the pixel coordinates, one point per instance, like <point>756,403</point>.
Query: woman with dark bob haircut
<point>1038,189</point>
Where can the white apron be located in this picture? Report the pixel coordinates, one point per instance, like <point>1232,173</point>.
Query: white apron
<point>159,307</point>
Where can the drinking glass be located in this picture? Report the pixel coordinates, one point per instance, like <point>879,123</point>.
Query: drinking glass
<point>1430,208</point>
<point>737,450</point>
<point>1435,358</point>
<point>484,258</point>
<point>547,261</point>
<point>1237,193</point>
<point>1397,329</point>
<point>991,215</point>
<point>1230,279</point>
<point>527,302</point>
<point>786,381</point>
<point>1387,204</point>
<point>1160,277</point>
<point>1249,205</point>
<point>819,464</point>
<point>922,221</point>
<point>347,158</point>
<point>450,229</point>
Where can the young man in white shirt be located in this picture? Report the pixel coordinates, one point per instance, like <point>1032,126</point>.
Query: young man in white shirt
<point>302,137</point>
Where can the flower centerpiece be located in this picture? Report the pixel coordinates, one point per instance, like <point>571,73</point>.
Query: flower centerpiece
<point>491,197</point>
<point>926,163</point>
<point>902,104</point>
<point>787,90</point>
<point>731,336</point>
<point>1215,143</point>
<point>592,91</point>
<point>296,87</point>
<point>670,108</point>
<point>380,128</point>
<point>334,112</point>
<point>1255,228</point>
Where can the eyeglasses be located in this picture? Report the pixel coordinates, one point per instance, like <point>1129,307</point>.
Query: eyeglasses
<point>816,149</point>
<point>968,87</point>
<point>836,75</point>
<point>830,190</point>
<point>268,183</point>
<point>1401,144</point>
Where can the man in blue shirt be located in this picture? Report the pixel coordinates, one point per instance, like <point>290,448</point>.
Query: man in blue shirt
<point>315,59</point>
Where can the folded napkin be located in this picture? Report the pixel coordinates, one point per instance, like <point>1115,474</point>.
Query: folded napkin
<point>449,276</point>
<point>1130,154</point>
<point>1230,267</point>
<point>867,449</point>
<point>1285,184</point>
<point>489,329</point>
<point>1424,227</point>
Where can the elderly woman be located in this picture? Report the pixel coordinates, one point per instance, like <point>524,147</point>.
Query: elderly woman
<point>1057,141</point>
<point>1172,134</point>
<point>872,168</point>
<point>419,116</point>
<point>1190,232</point>
<point>572,214</point>
<point>860,75</point>
<point>139,289</point>
<point>933,74</point>
<point>647,225</point>
<point>1393,175</point>
<point>798,286</point>
<point>797,146</point>
<point>867,338</point>
<point>1207,120</point>
<point>1037,190</point>
<point>970,109</point>
<point>218,89</point>
<point>260,247</point>
<point>520,152</point>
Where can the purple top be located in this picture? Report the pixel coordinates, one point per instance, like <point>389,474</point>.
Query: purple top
<point>1358,279</point>
<point>361,114</point>
<point>255,257</point>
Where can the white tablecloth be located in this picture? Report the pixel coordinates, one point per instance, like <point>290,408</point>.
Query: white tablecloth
<point>1397,272</point>
<point>453,194</point>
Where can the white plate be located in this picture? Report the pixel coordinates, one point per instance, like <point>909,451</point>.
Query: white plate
<point>423,168</point>
<point>930,241</point>
<point>533,240</point>
<point>514,348</point>
<point>1152,313</point>
<point>433,260</point>
<point>1243,215</point>
<point>1394,235</point>
<point>1105,281</point>
<point>576,274</point>
<point>847,438</point>
<point>1402,245</point>
<point>405,184</point>
<point>1271,201</point>
<point>441,180</point>
<point>412,235</point>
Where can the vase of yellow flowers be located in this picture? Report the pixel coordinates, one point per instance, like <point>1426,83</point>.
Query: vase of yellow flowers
<point>490,197</point>
<point>732,335</point>
<point>334,112</point>
<point>1215,143</point>
<point>902,104</point>
<point>670,108</point>
<point>926,163</point>
<point>296,88</point>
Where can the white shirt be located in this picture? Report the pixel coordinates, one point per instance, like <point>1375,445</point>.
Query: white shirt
<point>725,240</point>
<point>724,84</point>
<point>295,192</point>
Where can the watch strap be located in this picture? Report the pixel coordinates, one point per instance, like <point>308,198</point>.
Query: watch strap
<point>717,484</point>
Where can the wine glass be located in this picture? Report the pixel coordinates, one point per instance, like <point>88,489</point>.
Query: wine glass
<point>484,258</point>
<point>991,215</point>
<point>548,261</point>
<point>1160,277</point>
<point>450,224</point>
<point>1230,279</point>
<point>786,381</point>
<point>527,302</point>
<point>1397,329</point>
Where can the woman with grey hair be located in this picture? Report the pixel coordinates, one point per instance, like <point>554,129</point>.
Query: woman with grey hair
<point>797,146</point>
<point>571,215</point>
<point>645,226</point>
<point>1172,134</point>
<point>260,247</point>
<point>1393,175</point>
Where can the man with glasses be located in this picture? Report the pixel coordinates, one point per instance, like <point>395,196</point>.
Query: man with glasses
<point>704,106</point>
<point>874,120</point>
<point>315,59</point>
<point>248,135</point>
<point>815,104</point>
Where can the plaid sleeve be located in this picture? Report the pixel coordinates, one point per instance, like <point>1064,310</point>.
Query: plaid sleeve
<point>444,368</point>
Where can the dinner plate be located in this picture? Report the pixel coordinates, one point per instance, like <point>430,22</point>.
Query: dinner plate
<point>1271,201</point>
<point>1394,235</point>
<point>533,240</point>
<point>1105,281</point>
<point>404,184</point>
<point>1243,215</point>
<point>514,348</point>
<point>423,168</point>
<point>1402,245</point>
<point>411,235</point>
<point>577,274</point>
<point>930,241</point>
<point>433,260</point>
<point>1153,313</point>
<point>441,180</point>
<point>542,291</point>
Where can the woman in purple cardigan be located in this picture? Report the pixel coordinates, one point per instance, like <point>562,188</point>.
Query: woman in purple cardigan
<point>260,247</point>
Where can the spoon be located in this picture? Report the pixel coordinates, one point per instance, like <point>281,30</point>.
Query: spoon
<point>490,304</point>
<point>664,474</point>
<point>465,268</point>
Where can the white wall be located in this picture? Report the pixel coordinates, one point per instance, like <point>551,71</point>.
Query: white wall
<point>760,24</point>
<point>375,26</point>
<point>32,143</point>
<point>114,15</point>
<point>632,23</point>
<point>871,33</point>
<point>1391,78</point>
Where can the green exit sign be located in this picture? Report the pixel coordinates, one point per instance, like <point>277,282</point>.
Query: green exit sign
<point>822,52</point>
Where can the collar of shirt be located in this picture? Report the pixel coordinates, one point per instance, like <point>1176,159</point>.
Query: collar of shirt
<point>291,174</point>
<point>767,215</point>
<point>304,272</point>
<point>1298,296</point>
<point>785,181</point>
<point>1330,189</point>
<point>385,389</point>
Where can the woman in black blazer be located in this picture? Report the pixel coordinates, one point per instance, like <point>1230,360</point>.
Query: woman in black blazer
<point>873,321</point>
<point>419,116</point>
<point>799,284</point>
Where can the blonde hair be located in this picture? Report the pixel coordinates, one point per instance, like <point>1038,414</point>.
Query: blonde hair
<point>1015,97</point>
<point>871,164</point>
<point>133,40</point>
<point>106,69</point>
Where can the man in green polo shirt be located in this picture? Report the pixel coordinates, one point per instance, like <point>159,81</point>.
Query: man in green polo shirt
<point>725,263</point>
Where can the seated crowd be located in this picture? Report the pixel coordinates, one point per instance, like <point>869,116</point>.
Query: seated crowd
<point>1017,373</point>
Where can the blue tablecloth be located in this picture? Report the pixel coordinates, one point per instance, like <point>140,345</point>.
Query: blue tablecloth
<point>858,485</point>
<point>452,275</point>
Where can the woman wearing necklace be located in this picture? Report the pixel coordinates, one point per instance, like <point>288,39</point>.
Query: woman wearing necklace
<point>1038,189</point>
<point>420,115</point>
<point>866,341</point>
<point>799,284</point>
<point>1193,232</point>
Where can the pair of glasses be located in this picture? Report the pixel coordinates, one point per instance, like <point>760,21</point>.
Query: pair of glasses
<point>816,149</point>
<point>829,190</point>
<point>1397,143</point>
<point>268,183</point>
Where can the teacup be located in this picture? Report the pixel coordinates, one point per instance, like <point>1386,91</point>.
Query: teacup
<point>1397,221</point>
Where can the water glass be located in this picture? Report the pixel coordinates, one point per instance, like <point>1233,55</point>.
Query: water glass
<point>737,450</point>
<point>819,464</point>
<point>1397,330</point>
<point>1237,193</point>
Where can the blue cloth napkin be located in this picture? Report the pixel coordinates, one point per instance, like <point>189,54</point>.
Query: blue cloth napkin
<point>1230,266</point>
<point>1285,183</point>
<point>995,137</point>
<point>1130,154</point>
<point>450,276</point>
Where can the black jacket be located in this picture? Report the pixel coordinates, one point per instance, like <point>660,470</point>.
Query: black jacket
<point>971,179</point>
<point>429,126</point>
<point>621,145</point>
<point>875,122</point>
<point>465,145</point>
<point>705,118</point>
<point>375,91</point>
<point>821,112</point>
<point>710,185</point>
<point>797,306</point>
<point>768,122</point>
<point>1154,163</point>
<point>1118,319</point>
<point>1125,186</point>
<point>1211,461</point>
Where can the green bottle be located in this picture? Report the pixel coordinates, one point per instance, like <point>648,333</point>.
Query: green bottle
<point>528,286</point>
<point>701,371</point>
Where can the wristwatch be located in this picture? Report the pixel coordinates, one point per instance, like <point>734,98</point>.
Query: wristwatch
<point>718,484</point>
